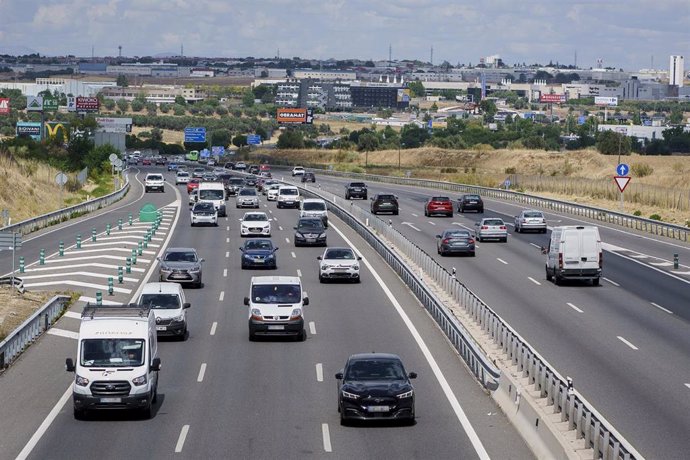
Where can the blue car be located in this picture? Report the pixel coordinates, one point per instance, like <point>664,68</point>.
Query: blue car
<point>172,166</point>
<point>259,253</point>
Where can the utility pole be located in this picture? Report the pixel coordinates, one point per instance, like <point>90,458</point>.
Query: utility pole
<point>431,58</point>
<point>390,55</point>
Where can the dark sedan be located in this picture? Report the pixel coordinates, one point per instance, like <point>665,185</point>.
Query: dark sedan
<point>250,181</point>
<point>259,253</point>
<point>375,386</point>
<point>384,202</point>
<point>470,203</point>
<point>455,241</point>
<point>308,177</point>
<point>310,231</point>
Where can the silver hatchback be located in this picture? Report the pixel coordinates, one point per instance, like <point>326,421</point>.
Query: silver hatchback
<point>491,228</point>
<point>530,219</point>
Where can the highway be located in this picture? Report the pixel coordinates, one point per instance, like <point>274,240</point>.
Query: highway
<point>222,396</point>
<point>625,343</point>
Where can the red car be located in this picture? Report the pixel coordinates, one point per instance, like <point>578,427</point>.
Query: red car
<point>146,162</point>
<point>192,184</point>
<point>438,205</point>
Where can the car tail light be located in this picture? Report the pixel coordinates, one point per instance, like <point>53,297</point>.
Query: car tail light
<point>560,260</point>
<point>446,241</point>
<point>484,227</point>
<point>470,241</point>
<point>502,227</point>
<point>601,259</point>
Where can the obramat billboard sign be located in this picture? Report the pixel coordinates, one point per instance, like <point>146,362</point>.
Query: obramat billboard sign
<point>294,115</point>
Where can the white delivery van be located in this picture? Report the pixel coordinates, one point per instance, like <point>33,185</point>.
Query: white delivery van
<point>276,307</point>
<point>117,360</point>
<point>169,307</point>
<point>314,207</point>
<point>215,193</point>
<point>574,252</point>
<point>288,196</point>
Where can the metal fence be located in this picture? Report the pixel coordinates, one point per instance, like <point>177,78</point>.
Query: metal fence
<point>581,416</point>
<point>30,329</point>
<point>653,227</point>
<point>36,223</point>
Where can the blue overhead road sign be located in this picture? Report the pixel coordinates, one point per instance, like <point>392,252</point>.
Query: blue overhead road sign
<point>253,139</point>
<point>622,169</point>
<point>195,134</point>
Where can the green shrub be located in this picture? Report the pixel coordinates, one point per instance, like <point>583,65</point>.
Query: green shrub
<point>511,170</point>
<point>642,169</point>
<point>637,213</point>
<point>655,217</point>
<point>449,170</point>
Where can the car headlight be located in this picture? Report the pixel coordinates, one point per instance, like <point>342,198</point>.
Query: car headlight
<point>247,256</point>
<point>256,314</point>
<point>322,235</point>
<point>139,381</point>
<point>81,381</point>
<point>195,270</point>
<point>299,235</point>
<point>178,318</point>
<point>348,395</point>
<point>165,268</point>
<point>296,314</point>
<point>407,394</point>
<point>326,266</point>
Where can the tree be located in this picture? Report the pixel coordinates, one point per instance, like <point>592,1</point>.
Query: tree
<point>613,143</point>
<point>122,104</point>
<point>240,140</point>
<point>368,142</point>
<point>220,137</point>
<point>676,117</point>
<point>248,99</point>
<point>413,136</point>
<point>109,104</point>
<point>157,134</point>
<point>291,139</point>
<point>416,88</point>
<point>261,131</point>
<point>122,81</point>
<point>180,100</point>
<point>137,105</point>
<point>96,159</point>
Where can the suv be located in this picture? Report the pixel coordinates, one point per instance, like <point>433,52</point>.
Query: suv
<point>297,171</point>
<point>310,231</point>
<point>154,181</point>
<point>356,190</point>
<point>180,265</point>
<point>234,185</point>
<point>276,307</point>
<point>384,202</point>
<point>308,177</point>
<point>314,207</point>
<point>470,203</point>
<point>169,307</point>
<point>438,205</point>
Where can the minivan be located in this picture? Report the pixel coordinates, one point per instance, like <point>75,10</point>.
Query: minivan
<point>288,196</point>
<point>574,252</point>
<point>167,301</point>
<point>276,307</point>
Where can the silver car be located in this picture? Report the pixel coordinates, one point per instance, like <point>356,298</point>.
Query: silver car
<point>530,219</point>
<point>491,228</point>
<point>339,263</point>
<point>180,265</point>
<point>247,198</point>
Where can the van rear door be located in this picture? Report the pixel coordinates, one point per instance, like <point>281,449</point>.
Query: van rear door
<point>570,248</point>
<point>589,242</point>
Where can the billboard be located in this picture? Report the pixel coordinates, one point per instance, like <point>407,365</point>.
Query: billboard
<point>86,104</point>
<point>195,134</point>
<point>52,128</point>
<point>4,106</point>
<point>34,103</point>
<point>29,128</point>
<point>50,104</point>
<point>603,100</point>
<point>403,95</point>
<point>114,125</point>
<point>294,115</point>
<point>551,98</point>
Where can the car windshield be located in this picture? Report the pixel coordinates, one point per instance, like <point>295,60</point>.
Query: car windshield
<point>112,352</point>
<point>457,234</point>
<point>236,181</point>
<point>160,301</point>
<point>180,256</point>
<point>254,217</point>
<point>276,293</point>
<point>204,207</point>
<point>310,223</point>
<point>210,194</point>
<point>313,206</point>
<point>357,184</point>
<point>440,198</point>
<point>199,170</point>
<point>248,192</point>
<point>375,370</point>
<point>183,174</point>
<point>533,214</point>
<point>289,191</point>
<point>472,197</point>
<point>386,197</point>
<point>258,244</point>
<point>342,254</point>
<point>155,177</point>
<point>493,222</point>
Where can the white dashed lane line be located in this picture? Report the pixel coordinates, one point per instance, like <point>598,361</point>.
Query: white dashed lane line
<point>227,254</point>
<point>63,333</point>
<point>312,328</point>
<point>622,339</point>
<point>294,256</point>
<point>326,438</point>
<point>612,282</point>
<point>280,228</point>
<point>227,240</point>
<point>431,223</point>
<point>213,327</point>
<point>299,272</point>
<point>687,385</point>
<point>222,296</point>
<point>181,439</point>
<point>319,372</point>
<point>287,240</point>
<point>225,273</point>
<point>574,307</point>
<point>502,261</point>
<point>202,372</point>
<point>662,308</point>
<point>534,281</point>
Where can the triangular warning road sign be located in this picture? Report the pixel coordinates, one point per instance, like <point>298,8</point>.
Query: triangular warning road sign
<point>622,182</point>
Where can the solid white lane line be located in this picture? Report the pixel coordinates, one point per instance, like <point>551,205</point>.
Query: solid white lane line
<point>287,240</point>
<point>202,371</point>
<point>319,372</point>
<point>294,256</point>
<point>536,245</point>
<point>612,282</point>
<point>534,281</point>
<point>227,254</point>
<point>181,439</point>
<point>72,314</point>
<point>299,272</point>
<point>443,383</point>
<point>431,223</point>
<point>45,425</point>
<point>63,333</point>
<point>662,308</point>
<point>312,328</point>
<point>574,307</point>
<point>326,438</point>
<point>687,385</point>
<point>213,327</point>
<point>627,342</point>
<point>222,296</point>
<point>502,261</point>
<point>280,228</point>
<point>225,273</point>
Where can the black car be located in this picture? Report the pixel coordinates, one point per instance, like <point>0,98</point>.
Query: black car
<point>470,203</point>
<point>234,184</point>
<point>356,190</point>
<point>253,169</point>
<point>259,253</point>
<point>308,177</point>
<point>384,202</point>
<point>310,231</point>
<point>375,386</point>
<point>455,241</point>
<point>250,181</point>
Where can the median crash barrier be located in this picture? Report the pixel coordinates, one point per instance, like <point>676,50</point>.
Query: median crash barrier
<point>525,385</point>
<point>148,213</point>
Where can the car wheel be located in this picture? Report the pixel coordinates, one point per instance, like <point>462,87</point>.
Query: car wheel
<point>395,213</point>
<point>481,211</point>
<point>347,197</point>
<point>557,280</point>
<point>479,238</point>
<point>450,215</point>
<point>426,213</point>
<point>549,277</point>
<point>343,420</point>
<point>252,337</point>
<point>147,412</point>
<point>505,240</point>
<point>183,338</point>
<point>154,400</point>
<point>473,254</point>
<point>358,280</point>
<point>322,279</point>
<point>302,336</point>
<point>192,224</point>
<point>595,282</point>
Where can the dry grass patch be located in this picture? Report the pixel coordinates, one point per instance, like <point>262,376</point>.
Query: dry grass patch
<point>15,308</point>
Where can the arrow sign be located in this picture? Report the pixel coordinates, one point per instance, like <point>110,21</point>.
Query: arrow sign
<point>621,182</point>
<point>622,169</point>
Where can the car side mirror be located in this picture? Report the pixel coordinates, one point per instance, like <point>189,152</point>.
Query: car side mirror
<point>544,250</point>
<point>202,260</point>
<point>159,259</point>
<point>305,301</point>
<point>275,249</point>
<point>359,257</point>
<point>295,228</point>
<point>246,301</point>
<point>339,376</point>
<point>156,364</point>
<point>319,258</point>
<point>186,305</point>
<point>69,365</point>
<point>412,375</point>
<point>438,236</point>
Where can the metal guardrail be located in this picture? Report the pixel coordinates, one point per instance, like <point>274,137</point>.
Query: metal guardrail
<point>30,329</point>
<point>16,282</point>
<point>36,223</point>
<point>654,227</point>
<point>590,426</point>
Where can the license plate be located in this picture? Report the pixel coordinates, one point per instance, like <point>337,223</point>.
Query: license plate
<point>161,328</point>
<point>289,202</point>
<point>311,240</point>
<point>378,408</point>
<point>458,244</point>
<point>178,277</point>
<point>258,261</point>
<point>111,400</point>
<point>276,328</point>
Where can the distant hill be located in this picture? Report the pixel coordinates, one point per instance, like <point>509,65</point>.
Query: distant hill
<point>16,50</point>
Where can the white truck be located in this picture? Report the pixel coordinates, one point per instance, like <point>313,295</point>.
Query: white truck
<point>574,253</point>
<point>117,360</point>
<point>215,193</point>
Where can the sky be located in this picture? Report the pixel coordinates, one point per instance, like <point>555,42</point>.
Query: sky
<point>626,34</point>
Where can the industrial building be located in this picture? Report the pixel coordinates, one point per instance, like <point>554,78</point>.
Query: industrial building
<point>339,95</point>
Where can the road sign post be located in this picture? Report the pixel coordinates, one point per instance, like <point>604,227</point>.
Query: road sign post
<point>622,182</point>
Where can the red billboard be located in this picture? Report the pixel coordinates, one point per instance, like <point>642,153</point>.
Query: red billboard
<point>552,98</point>
<point>4,105</point>
<point>294,115</point>
<point>86,104</point>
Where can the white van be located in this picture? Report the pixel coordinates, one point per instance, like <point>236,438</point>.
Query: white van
<point>314,207</point>
<point>215,193</point>
<point>574,252</point>
<point>276,307</point>
<point>288,196</point>
<point>117,360</point>
<point>169,307</point>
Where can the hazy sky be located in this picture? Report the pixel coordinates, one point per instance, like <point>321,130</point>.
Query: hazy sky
<point>624,33</point>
